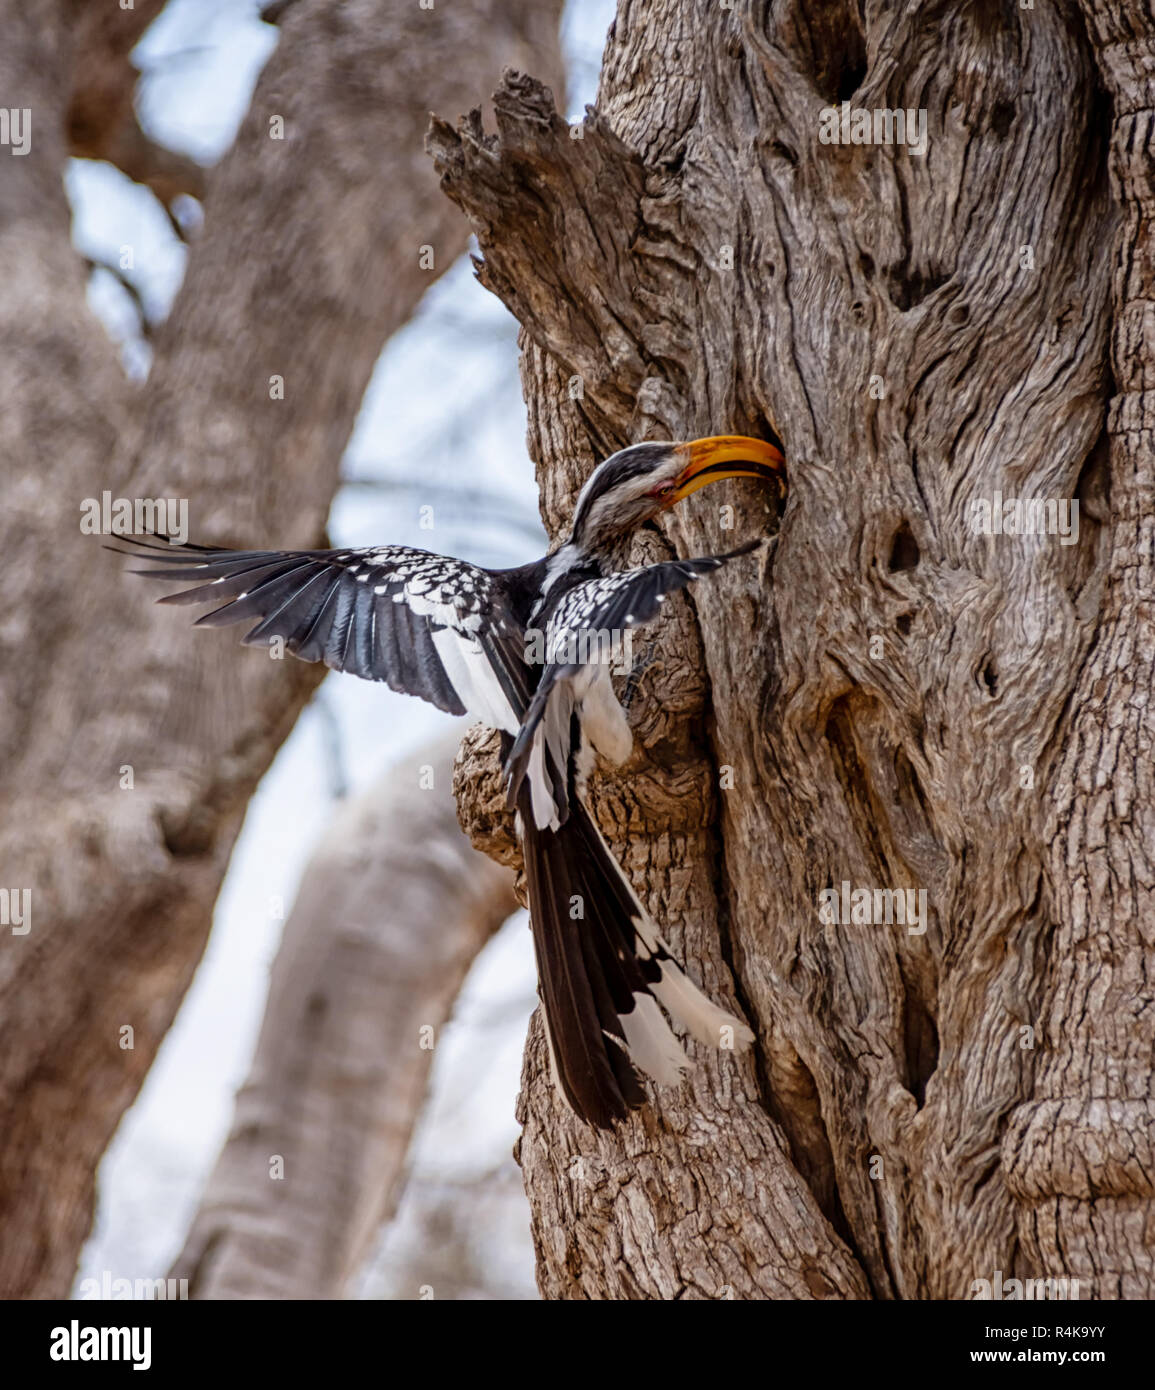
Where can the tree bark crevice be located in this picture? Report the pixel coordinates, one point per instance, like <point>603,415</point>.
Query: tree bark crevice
<point>933,327</point>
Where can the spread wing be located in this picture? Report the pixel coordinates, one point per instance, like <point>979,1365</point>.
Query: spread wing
<point>574,695</point>
<point>424,624</point>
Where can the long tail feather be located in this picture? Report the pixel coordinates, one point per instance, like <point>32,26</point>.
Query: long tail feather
<point>604,971</point>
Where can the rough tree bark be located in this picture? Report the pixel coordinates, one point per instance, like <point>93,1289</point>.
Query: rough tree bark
<point>101,119</point>
<point>309,258</point>
<point>392,910</point>
<point>902,703</point>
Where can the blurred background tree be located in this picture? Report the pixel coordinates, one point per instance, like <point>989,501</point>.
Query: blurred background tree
<point>197,256</point>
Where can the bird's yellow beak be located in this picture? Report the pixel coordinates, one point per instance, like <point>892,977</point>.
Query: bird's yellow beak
<point>727,456</point>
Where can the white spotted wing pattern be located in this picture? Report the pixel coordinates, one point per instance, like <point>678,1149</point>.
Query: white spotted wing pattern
<point>424,624</point>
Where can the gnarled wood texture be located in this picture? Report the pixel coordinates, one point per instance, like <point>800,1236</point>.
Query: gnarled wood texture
<point>902,702</point>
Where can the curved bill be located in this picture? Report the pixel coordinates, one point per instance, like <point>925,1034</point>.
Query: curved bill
<point>728,456</point>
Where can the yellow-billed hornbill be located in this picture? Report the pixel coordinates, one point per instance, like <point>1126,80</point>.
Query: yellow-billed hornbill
<point>459,636</point>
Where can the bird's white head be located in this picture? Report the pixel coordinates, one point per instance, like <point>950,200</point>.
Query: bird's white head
<point>635,484</point>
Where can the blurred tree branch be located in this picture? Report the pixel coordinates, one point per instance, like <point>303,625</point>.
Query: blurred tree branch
<point>392,910</point>
<point>101,119</point>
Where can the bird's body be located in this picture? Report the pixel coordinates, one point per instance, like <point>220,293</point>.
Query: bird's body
<point>463,637</point>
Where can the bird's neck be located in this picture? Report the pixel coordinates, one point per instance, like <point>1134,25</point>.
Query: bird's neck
<point>605,553</point>
<point>570,564</point>
<point>612,553</point>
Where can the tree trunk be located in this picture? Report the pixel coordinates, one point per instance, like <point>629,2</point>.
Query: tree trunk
<point>893,700</point>
<point>130,746</point>
<point>391,913</point>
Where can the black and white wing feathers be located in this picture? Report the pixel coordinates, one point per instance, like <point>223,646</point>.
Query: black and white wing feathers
<point>586,624</point>
<point>423,624</point>
<point>451,633</point>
